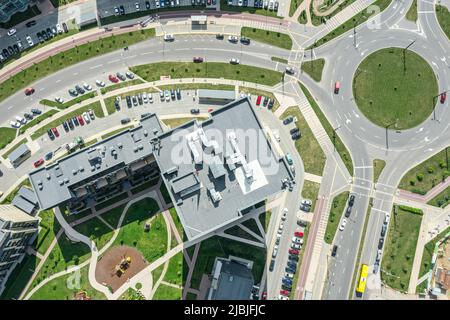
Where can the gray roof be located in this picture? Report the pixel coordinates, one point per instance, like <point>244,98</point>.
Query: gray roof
<point>28,194</point>
<point>18,153</point>
<point>105,156</point>
<point>235,282</point>
<point>216,94</point>
<point>23,204</point>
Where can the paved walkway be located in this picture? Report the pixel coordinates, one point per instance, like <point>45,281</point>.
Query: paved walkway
<point>428,196</point>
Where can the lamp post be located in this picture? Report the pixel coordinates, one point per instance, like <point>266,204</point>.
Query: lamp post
<point>354,29</point>
<point>334,136</point>
<point>404,54</point>
<point>387,127</point>
<point>434,102</point>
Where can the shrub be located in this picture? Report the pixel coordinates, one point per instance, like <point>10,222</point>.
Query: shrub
<point>430,169</point>
<point>420,176</point>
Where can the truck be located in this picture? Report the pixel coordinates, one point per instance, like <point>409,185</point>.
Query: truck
<point>78,142</point>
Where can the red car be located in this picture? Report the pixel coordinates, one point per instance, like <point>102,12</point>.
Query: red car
<point>443,97</point>
<point>38,163</point>
<point>210,110</point>
<point>29,91</point>
<point>298,234</point>
<point>55,132</point>
<point>198,59</point>
<point>258,100</point>
<point>294,251</point>
<point>284,293</point>
<point>113,78</point>
<point>337,86</point>
<point>80,120</point>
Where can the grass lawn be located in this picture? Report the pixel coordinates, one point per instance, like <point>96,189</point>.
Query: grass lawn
<point>61,288</point>
<point>359,19</point>
<point>195,86</point>
<point>132,294</point>
<point>427,174</point>
<point>69,103</point>
<point>307,146</point>
<point>302,18</point>
<point>442,199</point>
<point>222,247</point>
<point>311,191</point>
<point>57,3</point>
<point>340,146</point>
<point>165,292</point>
<point>191,296</point>
<point>293,6</point>
<point>382,71</point>
<point>251,224</point>
<point>13,193</point>
<point>174,273</point>
<point>6,154</point>
<point>337,208</point>
<point>71,57</point>
<point>165,193</point>
<point>144,186</point>
<point>225,7</point>
<point>109,134</point>
<point>428,252</point>
<point>241,233</point>
<point>157,273</point>
<point>176,122</point>
<point>95,106</point>
<point>177,70</point>
<point>152,244</point>
<point>112,216</point>
<point>96,230</point>
<point>7,135</point>
<point>37,120</point>
<point>177,222</point>
<point>278,59</point>
<point>272,38</point>
<point>302,251</point>
<point>73,217</point>
<point>49,228</point>
<point>256,92</point>
<point>20,277</point>
<point>411,15</point>
<point>314,68</point>
<point>378,166</point>
<point>399,249</point>
<point>120,85</point>
<point>264,218</point>
<point>19,17</point>
<point>443,16</point>
<point>111,201</point>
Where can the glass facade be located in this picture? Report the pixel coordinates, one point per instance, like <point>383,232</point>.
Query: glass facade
<point>9,7</point>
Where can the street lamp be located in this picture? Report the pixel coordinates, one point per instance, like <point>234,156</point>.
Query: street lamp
<point>387,127</point>
<point>334,136</point>
<point>354,29</point>
<point>434,102</point>
<point>404,55</point>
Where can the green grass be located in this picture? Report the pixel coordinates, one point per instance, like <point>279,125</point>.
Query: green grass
<point>311,191</point>
<point>277,39</point>
<point>157,273</point>
<point>302,18</point>
<point>314,68</point>
<point>9,198</point>
<point>151,244</point>
<point>69,103</point>
<point>251,224</point>
<point>359,18</point>
<point>191,296</point>
<point>239,232</point>
<point>174,273</point>
<point>111,201</point>
<point>225,7</point>
<point>257,92</point>
<point>421,287</point>
<point>177,222</point>
<point>71,57</point>
<point>109,134</point>
<point>302,251</point>
<point>165,292</point>
<point>132,294</point>
<point>19,277</point>
<point>443,16</point>
<point>264,218</point>
<point>195,86</point>
<point>120,85</point>
<point>96,230</point>
<point>399,249</point>
<point>340,147</point>
<point>176,122</point>
<point>293,6</point>
<point>74,217</point>
<point>378,166</point>
<point>278,59</point>
<point>19,17</point>
<point>442,199</point>
<point>307,146</point>
<point>428,252</point>
<point>411,15</point>
<point>383,71</point>
<point>144,186</point>
<point>37,120</point>
<point>61,288</point>
<point>95,106</point>
<point>7,135</point>
<point>177,70</point>
<point>222,247</point>
<point>165,193</point>
<point>21,142</point>
<point>426,175</point>
<point>112,216</point>
<point>58,3</point>
<point>49,228</point>
<point>337,208</point>
<point>318,20</point>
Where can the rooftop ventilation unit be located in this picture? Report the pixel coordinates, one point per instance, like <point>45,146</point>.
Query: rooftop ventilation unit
<point>145,132</point>
<point>61,182</point>
<point>74,172</point>
<point>47,176</point>
<point>81,169</point>
<point>66,180</point>
<point>119,145</point>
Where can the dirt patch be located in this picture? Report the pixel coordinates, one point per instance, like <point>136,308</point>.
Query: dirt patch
<point>106,274</point>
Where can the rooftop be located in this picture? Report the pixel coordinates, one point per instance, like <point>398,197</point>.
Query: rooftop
<point>18,153</point>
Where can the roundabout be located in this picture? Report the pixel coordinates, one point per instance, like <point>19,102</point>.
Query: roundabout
<point>408,85</point>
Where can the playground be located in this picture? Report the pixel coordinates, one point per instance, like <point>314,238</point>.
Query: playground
<point>119,264</point>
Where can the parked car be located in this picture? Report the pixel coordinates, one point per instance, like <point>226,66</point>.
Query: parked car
<point>73,92</point>
<point>219,36</point>
<point>284,214</point>
<point>121,76</point>
<point>66,29</point>
<point>348,211</point>
<point>38,163</point>
<point>289,159</point>
<point>169,37</point>
<point>233,39</point>
<point>87,86</point>
<point>50,134</point>
<point>113,78</point>
<point>100,83</point>
<point>59,99</point>
<point>58,28</point>
<point>116,11</point>
<point>125,120</point>
<point>29,91</point>
<point>272,265</point>
<point>379,253</point>
<point>30,41</point>
<point>80,120</point>
<point>296,240</point>
<point>195,111</point>
<point>129,75</point>
<point>15,124</point>
<point>294,251</point>
<point>290,70</point>
<point>284,293</point>
<point>79,89</point>
<point>383,230</point>
<point>271,103</point>
<point>234,61</point>
<point>198,59</point>
<point>298,234</point>
<point>294,130</point>
<point>55,132</point>
<point>443,97</point>
<point>334,251</point>
<point>245,40</point>
<point>48,156</point>
<point>288,120</point>
<point>66,126</point>
<point>351,200</point>
<point>11,32</point>
<point>380,243</point>
<point>30,23</point>
<point>86,117</point>
<point>36,111</point>
<point>343,223</point>
<point>258,100</point>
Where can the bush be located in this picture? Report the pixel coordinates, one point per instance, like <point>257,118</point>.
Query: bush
<point>420,176</point>
<point>430,169</point>
<point>411,209</point>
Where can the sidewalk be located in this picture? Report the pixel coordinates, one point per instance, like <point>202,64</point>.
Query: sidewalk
<point>428,196</point>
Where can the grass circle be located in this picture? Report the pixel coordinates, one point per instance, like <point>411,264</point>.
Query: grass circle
<point>389,88</point>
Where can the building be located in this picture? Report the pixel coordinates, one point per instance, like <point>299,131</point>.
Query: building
<point>26,200</point>
<point>10,7</point>
<point>19,155</point>
<point>231,280</point>
<point>17,230</point>
<point>215,171</point>
<point>443,278</point>
<point>217,97</point>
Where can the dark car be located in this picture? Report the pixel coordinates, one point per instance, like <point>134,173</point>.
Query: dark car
<point>125,120</point>
<point>121,76</point>
<point>49,33</point>
<point>66,29</point>
<point>290,70</point>
<point>245,3</point>
<point>117,103</point>
<point>195,111</point>
<point>79,89</point>
<point>294,130</point>
<point>44,35</point>
<point>351,201</point>
<point>10,50</point>
<point>30,23</point>
<point>293,257</point>
<point>50,134</point>
<point>334,251</point>
<point>139,97</point>
<point>5,53</point>
<point>245,40</point>
<point>75,121</point>
<point>122,10</point>
<point>39,36</point>
<point>270,104</point>
<point>70,123</point>
<point>292,265</point>
<point>147,5</point>
<point>65,126</point>
<point>48,156</point>
<point>134,99</point>
<point>290,270</point>
<point>288,120</point>
<point>272,265</point>
<point>73,92</point>
<point>383,230</point>
<point>28,116</point>
<point>172,94</point>
<point>219,36</point>
<point>380,243</point>
<point>198,59</point>
<point>36,111</point>
<point>296,136</point>
<point>178,94</point>
<point>128,98</point>
<point>16,48</point>
<point>266,101</point>
<point>348,211</point>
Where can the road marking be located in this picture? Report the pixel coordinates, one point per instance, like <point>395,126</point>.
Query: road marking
<point>58,81</point>
<point>97,66</point>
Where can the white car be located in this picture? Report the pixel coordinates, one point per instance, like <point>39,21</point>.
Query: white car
<point>59,99</point>
<point>169,37</point>
<point>306,202</point>
<point>11,32</point>
<point>234,61</point>
<point>167,95</point>
<point>87,86</point>
<point>137,6</point>
<point>343,223</point>
<point>289,275</point>
<point>240,2</point>
<point>280,228</point>
<point>144,97</point>
<point>232,38</point>
<point>276,135</point>
<point>21,120</point>
<point>91,114</point>
<point>275,252</point>
<point>295,246</point>
<point>86,117</point>
<point>281,297</point>
<point>284,214</point>
<point>129,75</point>
<point>157,3</point>
<point>116,11</point>
<point>30,41</point>
<point>100,83</point>
<point>15,124</point>
<point>150,97</point>
<point>296,240</point>
<point>58,28</point>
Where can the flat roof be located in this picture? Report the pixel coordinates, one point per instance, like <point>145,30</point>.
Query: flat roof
<point>23,204</point>
<point>18,152</point>
<point>235,281</point>
<point>216,94</point>
<point>28,194</point>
